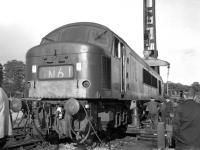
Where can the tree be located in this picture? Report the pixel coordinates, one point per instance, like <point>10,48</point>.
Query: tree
<point>195,88</point>
<point>14,72</point>
<point>1,74</point>
<point>175,88</point>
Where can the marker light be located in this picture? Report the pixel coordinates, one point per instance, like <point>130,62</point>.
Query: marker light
<point>34,68</point>
<point>87,106</point>
<point>60,112</point>
<point>78,66</point>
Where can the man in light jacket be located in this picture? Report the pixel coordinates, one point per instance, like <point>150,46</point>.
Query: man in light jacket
<point>5,120</point>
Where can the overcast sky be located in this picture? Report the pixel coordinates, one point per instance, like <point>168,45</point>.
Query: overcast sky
<point>24,22</point>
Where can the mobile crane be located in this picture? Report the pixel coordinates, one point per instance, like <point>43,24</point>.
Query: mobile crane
<point>151,55</point>
<point>150,46</point>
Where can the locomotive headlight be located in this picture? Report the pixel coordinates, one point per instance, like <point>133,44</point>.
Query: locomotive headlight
<point>86,84</point>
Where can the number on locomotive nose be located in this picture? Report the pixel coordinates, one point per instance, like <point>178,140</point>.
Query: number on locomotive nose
<point>56,73</point>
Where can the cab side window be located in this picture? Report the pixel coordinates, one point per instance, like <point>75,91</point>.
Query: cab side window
<point>118,46</point>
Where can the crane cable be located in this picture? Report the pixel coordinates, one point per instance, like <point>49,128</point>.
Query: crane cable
<point>168,67</point>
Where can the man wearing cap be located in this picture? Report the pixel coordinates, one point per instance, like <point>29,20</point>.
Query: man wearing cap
<point>152,107</point>
<point>186,124</point>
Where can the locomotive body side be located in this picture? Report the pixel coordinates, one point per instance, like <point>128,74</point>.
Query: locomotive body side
<point>132,72</point>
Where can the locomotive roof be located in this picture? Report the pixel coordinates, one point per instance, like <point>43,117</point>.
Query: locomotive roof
<point>84,24</point>
<point>96,25</point>
<point>80,24</point>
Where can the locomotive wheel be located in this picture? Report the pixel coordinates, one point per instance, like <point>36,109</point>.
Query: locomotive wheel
<point>83,134</point>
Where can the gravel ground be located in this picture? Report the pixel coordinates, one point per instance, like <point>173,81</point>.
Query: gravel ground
<point>127,143</point>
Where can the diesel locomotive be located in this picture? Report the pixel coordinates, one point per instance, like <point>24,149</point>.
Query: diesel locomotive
<point>81,80</point>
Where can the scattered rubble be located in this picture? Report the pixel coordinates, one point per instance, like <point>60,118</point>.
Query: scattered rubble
<point>126,143</point>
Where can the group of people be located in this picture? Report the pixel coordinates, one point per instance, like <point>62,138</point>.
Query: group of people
<point>184,118</point>
<point>159,112</point>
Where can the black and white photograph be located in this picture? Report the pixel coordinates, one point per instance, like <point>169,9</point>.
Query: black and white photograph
<point>100,75</point>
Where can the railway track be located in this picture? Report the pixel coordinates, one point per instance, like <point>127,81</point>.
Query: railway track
<point>21,140</point>
<point>25,144</point>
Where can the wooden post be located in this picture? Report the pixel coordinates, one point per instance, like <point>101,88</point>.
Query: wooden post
<point>161,135</point>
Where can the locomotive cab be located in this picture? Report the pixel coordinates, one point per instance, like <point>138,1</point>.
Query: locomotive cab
<point>74,59</point>
<point>64,70</point>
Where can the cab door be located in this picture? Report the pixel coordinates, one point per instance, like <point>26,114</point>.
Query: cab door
<point>123,70</point>
<point>120,66</point>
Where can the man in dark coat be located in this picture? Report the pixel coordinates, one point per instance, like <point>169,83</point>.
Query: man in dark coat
<point>166,109</point>
<point>152,108</point>
<point>186,125</point>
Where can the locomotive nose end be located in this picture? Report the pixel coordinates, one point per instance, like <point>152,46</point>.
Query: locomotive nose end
<point>72,106</point>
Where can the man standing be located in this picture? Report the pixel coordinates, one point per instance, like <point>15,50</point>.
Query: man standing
<point>186,125</point>
<point>169,111</point>
<point>5,120</point>
<point>152,108</point>
<point>162,111</point>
